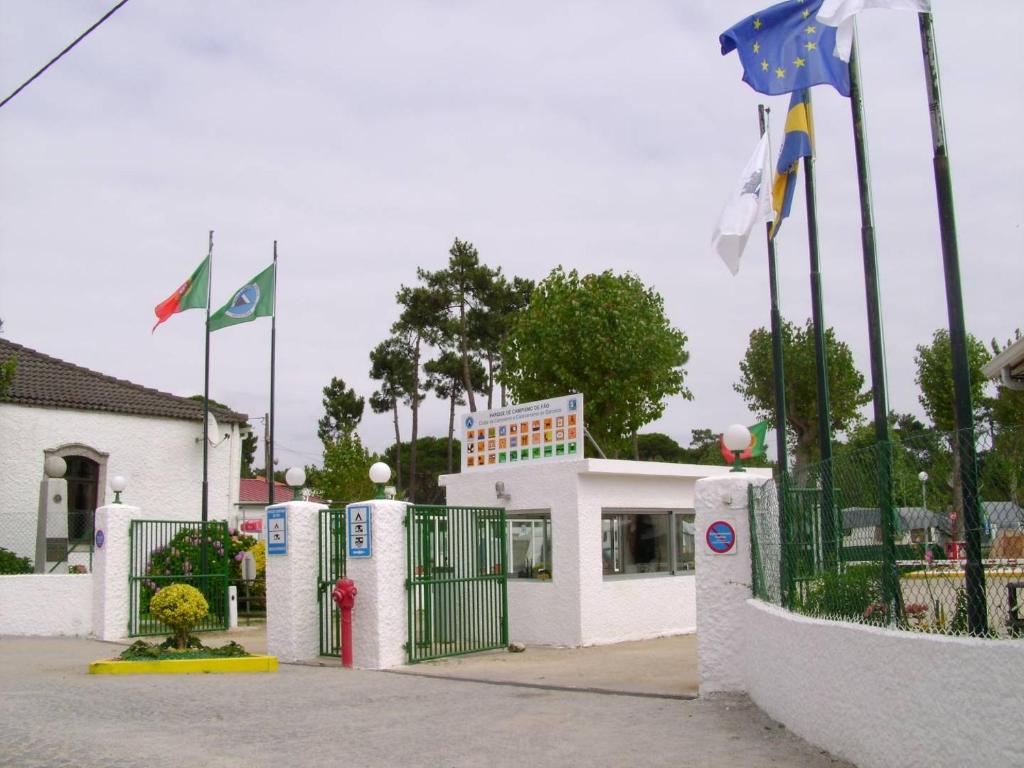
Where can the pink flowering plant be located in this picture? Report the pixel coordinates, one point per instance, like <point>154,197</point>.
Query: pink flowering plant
<point>181,559</point>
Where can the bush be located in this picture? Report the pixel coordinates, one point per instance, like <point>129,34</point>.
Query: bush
<point>847,595</point>
<point>180,607</point>
<point>10,563</point>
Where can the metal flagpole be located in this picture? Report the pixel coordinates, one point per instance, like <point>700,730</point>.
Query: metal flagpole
<point>779,377</point>
<point>977,619</point>
<point>820,354</point>
<point>206,387</point>
<point>890,575</point>
<point>273,348</point>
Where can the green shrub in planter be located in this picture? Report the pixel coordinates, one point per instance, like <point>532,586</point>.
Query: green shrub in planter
<point>180,607</point>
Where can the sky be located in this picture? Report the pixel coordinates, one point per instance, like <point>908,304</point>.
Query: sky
<point>365,136</point>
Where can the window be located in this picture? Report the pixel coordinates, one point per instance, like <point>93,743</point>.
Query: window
<point>529,545</point>
<point>647,542</point>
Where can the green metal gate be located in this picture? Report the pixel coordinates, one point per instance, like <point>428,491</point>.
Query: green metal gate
<point>456,580</point>
<point>165,552</point>
<point>331,568</point>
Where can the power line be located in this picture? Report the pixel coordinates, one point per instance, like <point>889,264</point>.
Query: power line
<point>54,60</point>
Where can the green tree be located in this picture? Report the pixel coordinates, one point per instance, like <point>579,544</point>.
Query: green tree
<point>343,410</point>
<point>657,446</point>
<point>1003,470</point>
<point>444,376</point>
<point>845,386</point>
<point>7,369</point>
<point>605,336</point>
<point>491,321</point>
<point>432,459</point>
<point>391,365</point>
<point>345,475</point>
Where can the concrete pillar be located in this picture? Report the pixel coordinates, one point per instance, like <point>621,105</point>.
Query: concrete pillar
<point>111,561</point>
<point>380,618</point>
<point>293,618</point>
<point>723,583</point>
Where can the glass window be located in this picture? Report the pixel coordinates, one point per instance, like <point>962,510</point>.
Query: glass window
<point>647,542</point>
<point>83,478</point>
<point>529,545</point>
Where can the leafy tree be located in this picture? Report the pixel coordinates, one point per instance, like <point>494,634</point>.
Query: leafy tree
<point>491,320</point>
<point>420,323</point>
<point>935,379</point>
<point>444,376</point>
<point>432,459</point>
<point>391,365</point>
<point>845,384</point>
<point>1003,467</point>
<point>343,410</point>
<point>656,446</point>
<point>605,336</point>
<point>345,475</point>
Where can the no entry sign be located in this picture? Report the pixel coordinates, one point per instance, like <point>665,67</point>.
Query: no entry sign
<point>721,538</point>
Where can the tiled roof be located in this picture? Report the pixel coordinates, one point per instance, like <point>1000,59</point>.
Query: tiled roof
<point>41,380</point>
<point>253,490</point>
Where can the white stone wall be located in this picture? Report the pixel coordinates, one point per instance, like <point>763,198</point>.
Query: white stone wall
<point>293,618</point>
<point>880,697</point>
<point>579,606</point>
<point>46,605</point>
<point>160,457</point>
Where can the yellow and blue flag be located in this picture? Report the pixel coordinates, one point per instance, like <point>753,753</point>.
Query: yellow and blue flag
<point>784,48</point>
<point>798,142</point>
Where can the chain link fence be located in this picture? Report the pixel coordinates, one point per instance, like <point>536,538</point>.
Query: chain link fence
<point>892,536</point>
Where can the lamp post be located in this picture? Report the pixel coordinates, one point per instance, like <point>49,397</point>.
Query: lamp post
<point>380,473</point>
<point>117,484</point>
<point>923,477</point>
<point>295,478</point>
<point>737,439</point>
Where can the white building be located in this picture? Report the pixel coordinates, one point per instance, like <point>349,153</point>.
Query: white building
<point>102,427</point>
<point>600,551</point>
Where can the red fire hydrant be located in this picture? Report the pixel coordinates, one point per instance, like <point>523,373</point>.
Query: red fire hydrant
<point>344,595</point>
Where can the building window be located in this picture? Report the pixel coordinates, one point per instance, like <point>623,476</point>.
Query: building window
<point>83,486</point>
<point>647,542</point>
<point>529,545</point>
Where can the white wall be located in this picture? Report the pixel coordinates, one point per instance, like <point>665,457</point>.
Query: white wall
<point>579,606</point>
<point>47,605</point>
<point>880,697</point>
<point>160,458</point>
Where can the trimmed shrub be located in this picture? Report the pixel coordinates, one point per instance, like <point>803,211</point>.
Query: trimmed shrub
<point>180,607</point>
<point>10,563</point>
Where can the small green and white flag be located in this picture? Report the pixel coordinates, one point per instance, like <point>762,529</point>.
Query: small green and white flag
<point>252,300</point>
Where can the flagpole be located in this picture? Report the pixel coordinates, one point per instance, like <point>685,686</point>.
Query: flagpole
<point>273,348</point>
<point>779,378</point>
<point>890,576</point>
<point>829,527</point>
<point>974,573</point>
<point>206,388</point>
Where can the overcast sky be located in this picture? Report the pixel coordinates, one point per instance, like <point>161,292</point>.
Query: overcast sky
<point>365,136</point>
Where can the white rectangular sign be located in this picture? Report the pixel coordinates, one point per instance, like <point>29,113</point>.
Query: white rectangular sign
<point>544,430</point>
<point>357,518</point>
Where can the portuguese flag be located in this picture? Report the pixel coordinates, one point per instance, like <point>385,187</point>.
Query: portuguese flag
<point>192,294</point>
<point>758,432</point>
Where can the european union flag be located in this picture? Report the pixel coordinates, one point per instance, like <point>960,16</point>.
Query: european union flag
<point>784,49</point>
<point>799,142</point>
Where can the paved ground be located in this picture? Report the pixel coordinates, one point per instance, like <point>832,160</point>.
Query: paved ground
<point>53,714</point>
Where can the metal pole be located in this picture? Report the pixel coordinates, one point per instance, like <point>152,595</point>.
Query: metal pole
<point>206,389</point>
<point>820,353</point>
<point>977,610</point>
<point>273,348</point>
<point>883,446</point>
<point>778,373</point>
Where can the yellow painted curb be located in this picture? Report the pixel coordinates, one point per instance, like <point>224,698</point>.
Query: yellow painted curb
<point>184,666</point>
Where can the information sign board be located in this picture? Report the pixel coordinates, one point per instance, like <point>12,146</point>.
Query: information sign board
<point>277,531</point>
<point>359,534</point>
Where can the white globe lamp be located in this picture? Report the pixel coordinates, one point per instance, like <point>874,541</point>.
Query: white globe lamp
<point>737,439</point>
<point>380,473</point>
<point>295,477</point>
<point>117,484</point>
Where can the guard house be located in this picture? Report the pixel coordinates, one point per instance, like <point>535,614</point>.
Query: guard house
<point>599,551</point>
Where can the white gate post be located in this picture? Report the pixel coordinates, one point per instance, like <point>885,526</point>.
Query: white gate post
<point>380,617</point>
<point>111,561</point>
<point>293,618</point>
<point>723,580</point>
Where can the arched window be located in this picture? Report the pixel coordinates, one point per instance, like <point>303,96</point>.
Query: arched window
<point>83,493</point>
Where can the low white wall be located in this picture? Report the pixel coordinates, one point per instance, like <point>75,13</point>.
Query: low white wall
<point>880,697</point>
<point>47,605</point>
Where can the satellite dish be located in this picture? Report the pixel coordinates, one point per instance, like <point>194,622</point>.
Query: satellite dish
<point>212,428</point>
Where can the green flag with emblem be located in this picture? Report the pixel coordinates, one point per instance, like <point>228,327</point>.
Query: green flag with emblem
<point>252,300</point>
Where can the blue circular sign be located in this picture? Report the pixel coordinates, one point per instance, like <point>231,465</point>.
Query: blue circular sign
<point>99,539</point>
<point>721,537</point>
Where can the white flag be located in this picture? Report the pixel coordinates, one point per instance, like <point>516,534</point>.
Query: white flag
<point>840,13</point>
<point>751,202</point>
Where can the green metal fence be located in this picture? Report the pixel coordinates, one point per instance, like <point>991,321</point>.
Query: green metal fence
<point>845,563</point>
<point>165,552</point>
<point>457,588</point>
<point>331,568</point>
